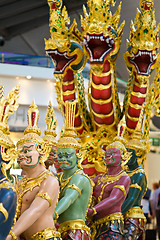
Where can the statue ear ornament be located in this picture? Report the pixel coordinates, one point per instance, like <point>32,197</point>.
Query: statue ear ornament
<point>125,158</point>
<point>8,105</point>
<point>32,133</point>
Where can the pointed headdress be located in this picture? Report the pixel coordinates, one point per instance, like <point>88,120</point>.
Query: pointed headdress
<point>68,135</point>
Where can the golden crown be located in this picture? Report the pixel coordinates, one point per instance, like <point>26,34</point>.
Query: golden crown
<point>59,31</point>
<point>51,121</point>
<point>68,135</point>
<point>144,28</point>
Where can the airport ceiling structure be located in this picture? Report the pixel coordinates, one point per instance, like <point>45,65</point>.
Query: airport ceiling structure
<point>24,25</point>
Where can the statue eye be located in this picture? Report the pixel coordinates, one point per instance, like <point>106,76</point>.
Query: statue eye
<point>5,150</point>
<point>60,155</point>
<point>26,151</point>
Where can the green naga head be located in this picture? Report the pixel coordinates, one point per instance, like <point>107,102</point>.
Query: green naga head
<point>64,45</point>
<point>101,34</point>
<point>143,43</point>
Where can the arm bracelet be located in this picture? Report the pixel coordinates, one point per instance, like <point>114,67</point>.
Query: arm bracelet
<point>73,186</point>
<point>94,211</point>
<point>4,211</point>
<point>45,196</point>
<point>14,237</point>
<point>57,216</point>
<point>136,186</point>
<point>121,187</point>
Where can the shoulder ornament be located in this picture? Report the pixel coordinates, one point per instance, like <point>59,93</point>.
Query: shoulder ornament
<point>7,185</point>
<point>137,170</point>
<point>73,186</point>
<point>45,196</point>
<point>136,186</point>
<point>121,187</point>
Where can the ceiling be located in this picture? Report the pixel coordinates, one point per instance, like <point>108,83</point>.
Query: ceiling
<point>24,25</point>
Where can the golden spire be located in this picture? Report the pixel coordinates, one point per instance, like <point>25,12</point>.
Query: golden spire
<point>51,121</point>
<point>8,105</point>
<point>32,132</point>
<point>68,135</point>
<point>119,141</point>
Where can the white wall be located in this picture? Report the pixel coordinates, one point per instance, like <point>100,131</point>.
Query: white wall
<point>152,167</point>
<point>41,87</point>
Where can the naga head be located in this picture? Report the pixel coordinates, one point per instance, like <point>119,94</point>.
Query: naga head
<point>64,45</point>
<point>143,43</point>
<point>101,34</point>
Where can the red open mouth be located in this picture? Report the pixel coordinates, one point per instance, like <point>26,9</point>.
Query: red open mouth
<point>61,60</point>
<point>98,47</point>
<point>143,61</point>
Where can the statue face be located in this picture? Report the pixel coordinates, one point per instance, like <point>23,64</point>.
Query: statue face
<point>52,156</point>
<point>29,156</point>
<point>112,157</point>
<point>67,158</point>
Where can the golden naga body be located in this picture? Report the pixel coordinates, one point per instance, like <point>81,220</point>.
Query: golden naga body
<point>99,42</point>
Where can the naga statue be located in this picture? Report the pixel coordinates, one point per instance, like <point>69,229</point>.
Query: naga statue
<point>99,43</point>
<point>141,59</point>
<point>8,197</point>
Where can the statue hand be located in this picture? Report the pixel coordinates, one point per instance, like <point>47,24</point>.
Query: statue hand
<point>9,237</point>
<point>90,212</point>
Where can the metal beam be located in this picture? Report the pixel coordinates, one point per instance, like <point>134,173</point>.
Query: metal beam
<point>24,17</point>
<point>25,27</point>
<point>19,7</point>
<point>6,2</point>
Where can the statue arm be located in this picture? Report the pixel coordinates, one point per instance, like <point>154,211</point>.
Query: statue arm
<point>73,191</point>
<point>7,203</point>
<point>133,194</point>
<point>117,194</point>
<point>38,207</point>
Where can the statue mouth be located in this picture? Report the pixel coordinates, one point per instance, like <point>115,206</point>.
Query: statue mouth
<point>61,60</point>
<point>143,61</point>
<point>98,47</point>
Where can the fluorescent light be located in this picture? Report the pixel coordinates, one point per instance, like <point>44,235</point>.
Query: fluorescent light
<point>29,77</point>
